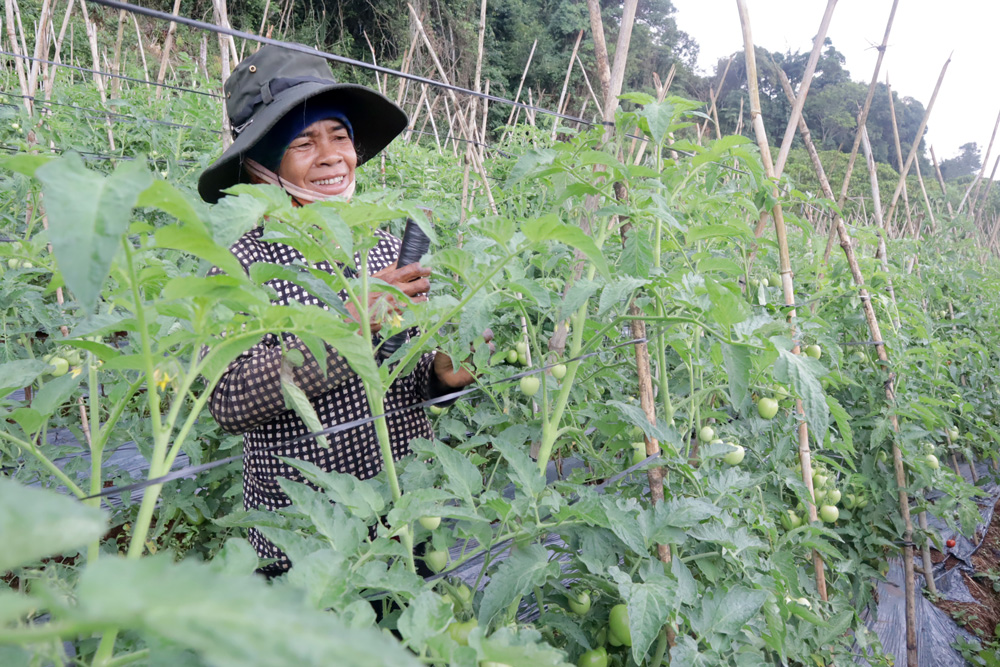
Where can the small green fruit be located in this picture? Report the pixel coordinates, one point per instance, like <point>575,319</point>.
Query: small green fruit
<point>430,522</point>
<point>511,356</point>
<point>833,496</point>
<point>60,366</point>
<point>530,385</point>
<point>521,347</point>
<point>735,457</point>
<point>814,351</point>
<point>436,560</point>
<point>829,513</point>
<point>559,371</point>
<point>767,408</point>
<point>437,410</point>
<point>706,434</point>
<point>932,462</point>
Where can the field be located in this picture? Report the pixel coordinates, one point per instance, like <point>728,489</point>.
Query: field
<point>620,275</point>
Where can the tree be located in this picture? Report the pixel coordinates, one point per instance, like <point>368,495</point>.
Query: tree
<point>967,162</point>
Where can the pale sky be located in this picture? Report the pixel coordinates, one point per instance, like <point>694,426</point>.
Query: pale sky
<point>924,33</point>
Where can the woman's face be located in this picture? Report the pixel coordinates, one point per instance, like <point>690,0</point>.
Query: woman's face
<point>322,159</point>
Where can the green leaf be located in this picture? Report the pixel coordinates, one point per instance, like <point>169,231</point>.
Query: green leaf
<point>218,616</point>
<point>232,217</point>
<point>523,470</point>
<point>843,420</point>
<point>525,569</point>
<point>728,308</point>
<point>164,196</point>
<point>36,523</point>
<point>637,256</point>
<point>461,476</point>
<point>577,295</point>
<point>55,392</point>
<point>738,366</point>
<point>88,214</point>
<point>551,228</point>
<point>804,373</point>
<point>427,615</point>
<point>359,497</point>
<point>26,163</point>
<point>616,292</point>
<point>19,374</point>
<point>726,612</point>
<point>529,162</point>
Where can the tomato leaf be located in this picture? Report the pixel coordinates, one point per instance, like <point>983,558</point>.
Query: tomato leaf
<point>525,569</point>
<point>804,373</point>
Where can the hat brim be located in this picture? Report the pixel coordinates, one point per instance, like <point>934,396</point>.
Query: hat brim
<point>375,120</point>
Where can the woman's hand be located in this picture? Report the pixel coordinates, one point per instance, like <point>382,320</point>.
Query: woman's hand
<point>411,280</point>
<point>462,377</point>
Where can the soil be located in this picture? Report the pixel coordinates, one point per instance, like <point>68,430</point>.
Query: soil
<point>979,619</point>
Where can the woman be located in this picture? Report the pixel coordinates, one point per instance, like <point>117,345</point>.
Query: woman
<point>296,127</point>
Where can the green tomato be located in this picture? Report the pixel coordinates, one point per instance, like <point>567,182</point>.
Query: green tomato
<point>530,385</point>
<point>13,263</point>
<point>735,457</point>
<point>559,371</point>
<point>618,627</point>
<point>522,359</point>
<point>579,601</point>
<point>430,522</point>
<point>767,408</point>
<point>819,496</point>
<point>774,280</point>
<point>819,480</point>
<point>860,357</point>
<point>706,434</point>
<point>814,351</point>
<point>833,496</point>
<point>461,595</point>
<point>597,657</point>
<point>436,560</point>
<point>638,456</point>
<point>850,501</point>
<point>932,462</point>
<point>73,356</point>
<point>60,366</point>
<point>459,631</point>
<point>829,513</point>
<point>437,410</point>
<point>953,434</point>
<point>522,348</point>
<point>791,520</point>
<point>511,356</point>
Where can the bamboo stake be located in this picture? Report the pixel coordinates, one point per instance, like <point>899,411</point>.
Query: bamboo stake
<point>116,84</point>
<point>98,79</point>
<point>562,95</point>
<point>982,168</point>
<point>168,42</point>
<point>517,97</point>
<point>437,63</point>
<point>41,44</point>
<point>227,131</point>
<point>142,50</point>
<point>714,110</point>
<point>899,154</point>
<point>916,143</point>
<point>862,119</point>
<point>927,201</point>
<point>881,254</point>
<point>901,484</point>
<point>22,76</point>
<point>800,98</point>
<point>229,40</point>
<point>50,80</point>
<point>593,95</point>
<point>600,48</point>
<point>986,197</point>
<point>788,288</point>
<point>407,59</point>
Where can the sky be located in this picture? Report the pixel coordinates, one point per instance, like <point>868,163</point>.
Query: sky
<point>924,33</point>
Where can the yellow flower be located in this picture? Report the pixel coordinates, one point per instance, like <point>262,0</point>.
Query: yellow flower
<point>76,371</point>
<point>161,378</point>
<point>395,320</point>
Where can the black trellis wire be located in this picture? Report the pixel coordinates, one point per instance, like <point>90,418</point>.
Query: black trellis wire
<point>338,428</point>
<point>88,155</point>
<point>111,74</point>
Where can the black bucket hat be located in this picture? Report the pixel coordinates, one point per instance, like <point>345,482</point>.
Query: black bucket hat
<point>275,80</point>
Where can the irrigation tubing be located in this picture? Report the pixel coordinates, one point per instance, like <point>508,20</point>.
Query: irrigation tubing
<point>338,428</point>
<point>111,74</point>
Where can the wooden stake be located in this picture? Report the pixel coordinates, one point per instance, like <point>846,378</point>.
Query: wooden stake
<point>167,44</point>
<point>899,154</point>
<point>22,76</point>
<point>517,97</point>
<point>562,95</point>
<point>862,119</point>
<point>880,224</point>
<point>600,48</point>
<point>714,110</point>
<point>788,288</point>
<point>142,50</point>
<point>986,197</point>
<point>98,79</point>
<point>41,45</point>
<point>50,80</point>
<point>437,63</point>
<point>927,201</point>
<point>116,84</point>
<point>982,169</point>
<point>916,143</point>
<point>227,130</point>
<point>593,95</point>
<point>800,98</point>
